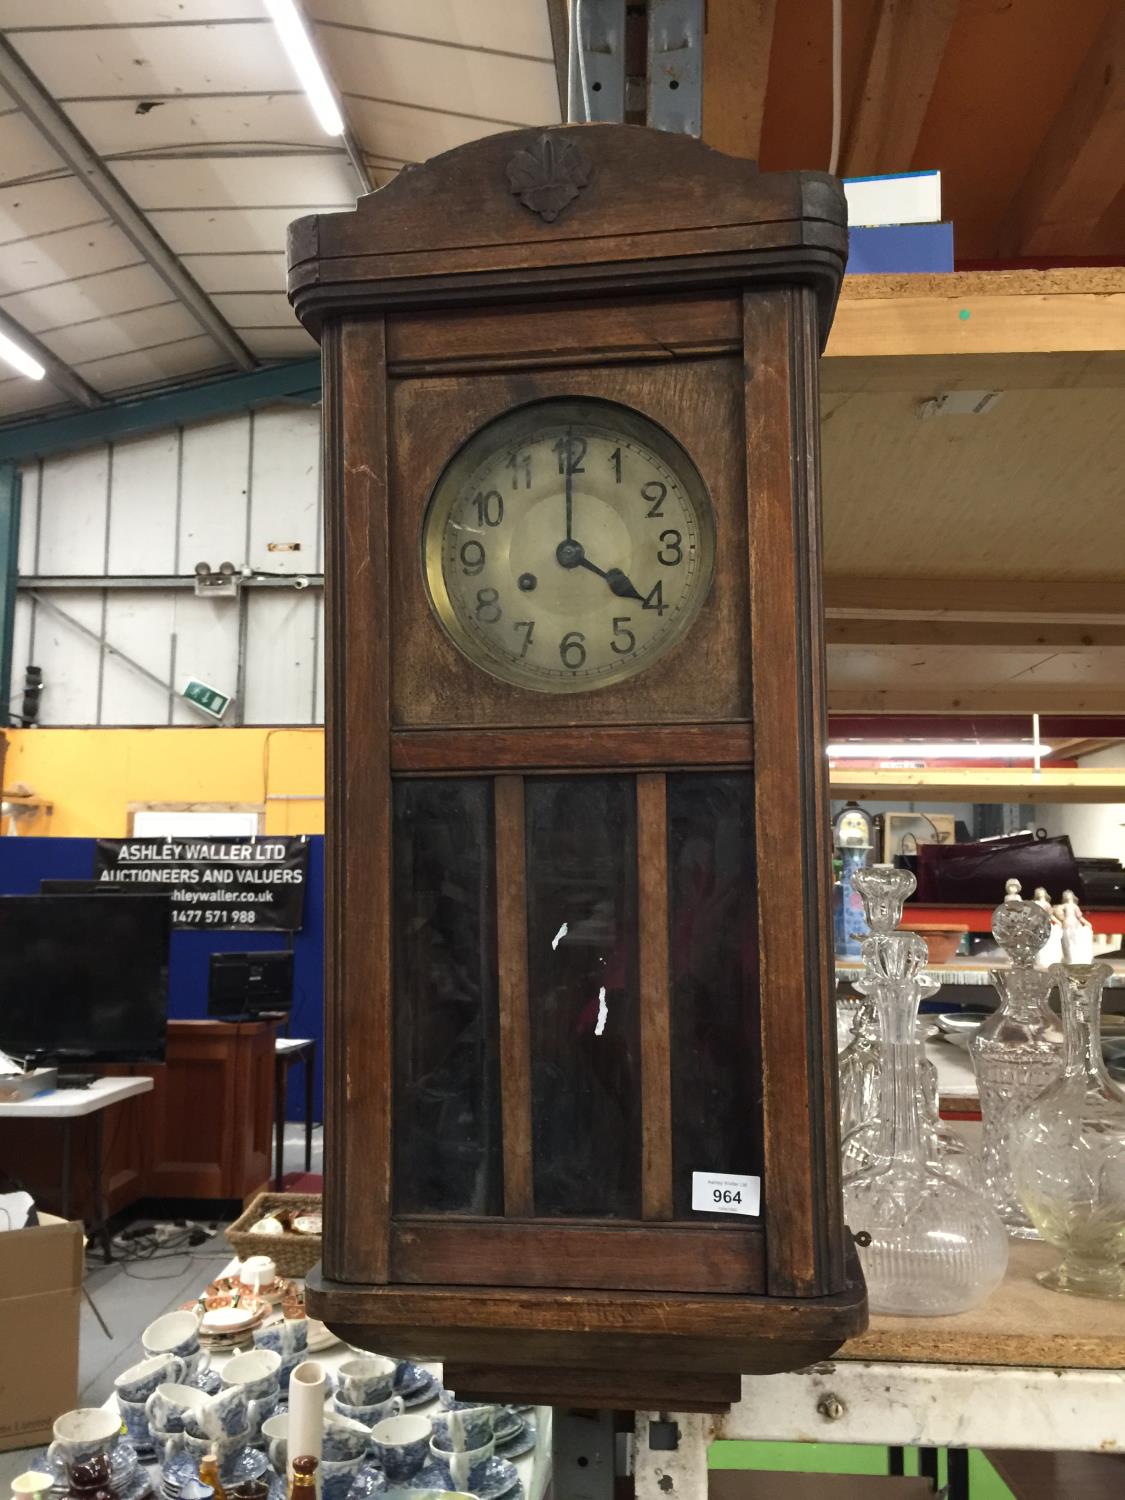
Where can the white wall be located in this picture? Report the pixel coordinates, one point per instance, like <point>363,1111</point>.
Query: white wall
<point>217,492</point>
<point>1095,828</point>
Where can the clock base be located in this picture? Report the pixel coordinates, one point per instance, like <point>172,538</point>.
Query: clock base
<point>623,1350</point>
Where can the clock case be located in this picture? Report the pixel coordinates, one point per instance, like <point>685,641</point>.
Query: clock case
<point>618,262</point>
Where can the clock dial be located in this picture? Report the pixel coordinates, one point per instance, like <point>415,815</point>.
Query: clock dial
<point>568,544</point>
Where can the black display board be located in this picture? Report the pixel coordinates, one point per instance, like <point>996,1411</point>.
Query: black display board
<point>235,884</point>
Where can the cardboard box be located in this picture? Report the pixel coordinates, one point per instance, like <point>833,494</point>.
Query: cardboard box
<point>40,1292</point>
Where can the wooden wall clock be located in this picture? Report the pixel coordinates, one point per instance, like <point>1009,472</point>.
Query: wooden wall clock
<point>581,1108</point>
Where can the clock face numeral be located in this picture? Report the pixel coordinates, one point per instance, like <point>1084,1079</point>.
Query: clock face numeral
<point>540,556</point>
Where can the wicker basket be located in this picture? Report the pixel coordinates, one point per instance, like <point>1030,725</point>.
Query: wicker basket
<point>292,1254</point>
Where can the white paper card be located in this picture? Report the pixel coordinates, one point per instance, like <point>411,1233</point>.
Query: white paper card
<point>725,1193</point>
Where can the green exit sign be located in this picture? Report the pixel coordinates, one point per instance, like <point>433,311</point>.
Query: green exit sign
<point>209,699</point>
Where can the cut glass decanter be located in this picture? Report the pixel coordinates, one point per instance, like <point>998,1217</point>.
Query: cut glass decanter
<point>929,1241</point>
<point>1068,1150</point>
<point>1018,1050</point>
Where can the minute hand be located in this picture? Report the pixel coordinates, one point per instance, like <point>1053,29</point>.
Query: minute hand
<point>618,581</point>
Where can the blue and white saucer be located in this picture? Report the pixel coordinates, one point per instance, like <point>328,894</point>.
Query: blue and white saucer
<point>422,1394</point>
<point>500,1478</point>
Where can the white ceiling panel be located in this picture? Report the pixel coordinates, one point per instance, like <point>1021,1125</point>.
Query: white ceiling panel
<point>195,230</point>
<point>37,208</point>
<point>35,15</point>
<point>136,62</point>
<point>397,130</point>
<point>54,258</point>
<point>233,182</point>
<point>78,343</point>
<point>497,24</point>
<point>449,78</point>
<point>255,309</point>
<point>238,273</point>
<point>100,296</point>
<point>113,126</point>
<point>23,151</point>
<point>20,396</point>
<point>279,343</point>
<point>120,372</point>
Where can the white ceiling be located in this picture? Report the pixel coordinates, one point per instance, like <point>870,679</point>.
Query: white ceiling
<point>194,109</point>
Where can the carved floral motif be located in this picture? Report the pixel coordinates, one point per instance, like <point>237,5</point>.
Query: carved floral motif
<point>548,176</point>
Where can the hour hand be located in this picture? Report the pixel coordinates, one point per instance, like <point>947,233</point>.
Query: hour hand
<point>619,582</point>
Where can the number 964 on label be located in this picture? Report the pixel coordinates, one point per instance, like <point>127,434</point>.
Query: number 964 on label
<point>725,1193</point>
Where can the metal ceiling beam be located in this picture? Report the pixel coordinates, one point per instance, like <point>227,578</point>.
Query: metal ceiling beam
<point>65,380</point>
<point>92,172</point>
<point>296,381</point>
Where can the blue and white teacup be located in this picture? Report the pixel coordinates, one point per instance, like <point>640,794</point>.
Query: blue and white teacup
<point>135,1417</point>
<point>366,1380</point>
<point>338,1476</point>
<point>368,1482</point>
<point>255,1374</point>
<point>223,1448</point>
<point>170,1405</point>
<point>342,1439</point>
<point>82,1434</point>
<point>260,1411</point>
<point>138,1382</point>
<point>177,1333</point>
<point>401,1444</point>
<point>394,1406</point>
<point>464,1427</point>
<point>221,1416</point>
<point>288,1365</point>
<point>463,1468</point>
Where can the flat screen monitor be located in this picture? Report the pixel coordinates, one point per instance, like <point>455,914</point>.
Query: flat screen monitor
<point>250,984</point>
<point>83,978</point>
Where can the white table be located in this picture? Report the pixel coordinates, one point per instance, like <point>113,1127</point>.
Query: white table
<point>69,1105</point>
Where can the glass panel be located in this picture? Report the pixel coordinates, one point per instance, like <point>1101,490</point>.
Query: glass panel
<point>582,988</point>
<point>713,946</point>
<point>447,1137</point>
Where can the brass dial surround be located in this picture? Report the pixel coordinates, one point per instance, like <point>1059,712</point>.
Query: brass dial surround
<point>568,544</point>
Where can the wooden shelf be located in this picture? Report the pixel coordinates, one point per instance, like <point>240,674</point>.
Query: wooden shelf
<point>970,784</point>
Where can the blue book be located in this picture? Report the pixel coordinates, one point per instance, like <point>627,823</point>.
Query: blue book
<point>902,248</point>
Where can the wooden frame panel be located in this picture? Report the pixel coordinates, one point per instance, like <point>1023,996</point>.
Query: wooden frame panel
<point>359,824</point>
<point>668,746</point>
<point>655,995</point>
<point>707,675</point>
<point>804,1232</point>
<point>561,1253</point>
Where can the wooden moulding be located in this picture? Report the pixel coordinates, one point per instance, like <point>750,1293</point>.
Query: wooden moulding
<point>610,1336</point>
<point>591,748</point>
<point>456,232</point>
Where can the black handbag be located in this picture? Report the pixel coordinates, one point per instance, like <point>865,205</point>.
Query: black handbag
<point>975,874</point>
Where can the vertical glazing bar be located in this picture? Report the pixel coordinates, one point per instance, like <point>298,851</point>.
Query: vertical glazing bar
<point>515,1032</point>
<point>656,1055</point>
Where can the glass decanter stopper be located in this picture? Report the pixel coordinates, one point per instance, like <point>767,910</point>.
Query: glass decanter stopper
<point>929,1242</point>
<point>1068,1150</point>
<point>1018,1050</point>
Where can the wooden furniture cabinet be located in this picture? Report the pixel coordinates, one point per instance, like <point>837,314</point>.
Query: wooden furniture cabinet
<point>205,1131</point>
<point>577,881</point>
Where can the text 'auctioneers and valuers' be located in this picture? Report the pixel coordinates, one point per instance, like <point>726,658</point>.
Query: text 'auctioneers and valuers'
<point>239,883</point>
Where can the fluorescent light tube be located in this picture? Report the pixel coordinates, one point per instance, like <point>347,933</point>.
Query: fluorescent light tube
<point>19,359</point>
<point>933,750</point>
<point>299,49</point>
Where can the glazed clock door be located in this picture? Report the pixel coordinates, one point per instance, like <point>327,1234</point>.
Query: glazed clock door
<point>575,969</point>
